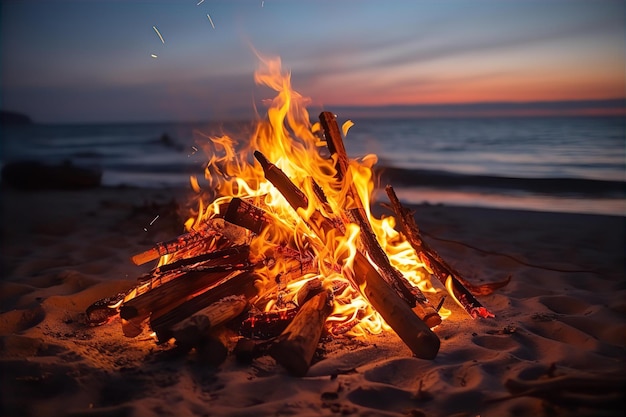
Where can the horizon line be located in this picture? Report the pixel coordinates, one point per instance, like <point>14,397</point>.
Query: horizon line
<point>614,106</point>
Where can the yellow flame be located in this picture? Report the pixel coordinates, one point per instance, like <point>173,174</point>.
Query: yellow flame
<point>289,140</point>
<point>346,126</point>
<point>451,290</point>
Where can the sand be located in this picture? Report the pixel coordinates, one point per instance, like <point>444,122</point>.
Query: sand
<point>562,317</point>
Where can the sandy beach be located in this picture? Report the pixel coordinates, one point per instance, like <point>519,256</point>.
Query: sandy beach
<point>555,348</point>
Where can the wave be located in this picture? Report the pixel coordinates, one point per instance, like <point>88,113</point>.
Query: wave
<point>452,180</point>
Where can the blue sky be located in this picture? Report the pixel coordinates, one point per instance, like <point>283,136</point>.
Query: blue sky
<point>90,60</point>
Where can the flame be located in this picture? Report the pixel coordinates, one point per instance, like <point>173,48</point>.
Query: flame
<point>289,140</point>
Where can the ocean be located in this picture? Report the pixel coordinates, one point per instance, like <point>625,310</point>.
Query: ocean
<point>563,164</point>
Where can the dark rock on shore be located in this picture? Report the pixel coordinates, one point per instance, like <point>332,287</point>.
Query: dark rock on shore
<point>33,175</point>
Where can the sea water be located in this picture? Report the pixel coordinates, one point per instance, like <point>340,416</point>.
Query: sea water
<point>569,164</point>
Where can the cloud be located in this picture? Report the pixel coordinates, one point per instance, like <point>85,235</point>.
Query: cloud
<point>561,107</point>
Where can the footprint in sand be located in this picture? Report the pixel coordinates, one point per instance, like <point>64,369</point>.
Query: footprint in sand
<point>564,305</point>
<point>14,321</point>
<point>498,343</point>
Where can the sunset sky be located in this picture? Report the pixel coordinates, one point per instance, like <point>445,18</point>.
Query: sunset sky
<point>91,61</point>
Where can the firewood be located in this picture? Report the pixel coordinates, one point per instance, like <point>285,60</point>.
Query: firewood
<point>235,257</point>
<point>135,312</point>
<point>246,215</point>
<point>440,269</point>
<point>394,310</point>
<point>296,345</point>
<point>238,284</point>
<point>214,348</point>
<point>358,215</point>
<point>308,291</point>
<point>203,259</point>
<point>413,331</point>
<point>214,232</point>
<point>411,294</point>
<point>163,248</point>
<point>246,350</point>
<point>196,327</point>
<point>176,291</point>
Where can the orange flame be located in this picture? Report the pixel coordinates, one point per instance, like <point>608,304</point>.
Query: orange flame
<point>289,140</point>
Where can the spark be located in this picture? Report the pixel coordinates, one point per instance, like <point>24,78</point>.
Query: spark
<point>158,33</point>
<point>153,55</point>
<point>210,20</point>
<point>145,229</point>
<point>200,2</point>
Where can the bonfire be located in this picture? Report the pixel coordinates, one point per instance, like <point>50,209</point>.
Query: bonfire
<point>283,248</point>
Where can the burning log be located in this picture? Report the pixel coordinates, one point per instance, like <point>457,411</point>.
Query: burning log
<point>411,294</point>
<point>163,248</point>
<point>395,311</point>
<point>215,233</point>
<point>397,314</point>
<point>176,291</point>
<point>440,269</point>
<point>163,322</point>
<point>218,257</point>
<point>297,343</point>
<point>414,297</point>
<point>246,215</point>
<point>167,296</point>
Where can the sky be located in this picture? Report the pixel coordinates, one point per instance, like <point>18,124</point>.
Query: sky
<point>103,61</point>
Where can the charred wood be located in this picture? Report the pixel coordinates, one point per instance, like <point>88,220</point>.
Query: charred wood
<point>245,214</point>
<point>246,350</point>
<point>214,233</point>
<point>394,310</point>
<point>102,310</point>
<point>440,269</point>
<point>241,284</point>
<point>411,294</point>
<point>176,291</point>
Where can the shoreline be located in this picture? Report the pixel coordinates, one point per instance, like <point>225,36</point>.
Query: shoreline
<point>562,315</point>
